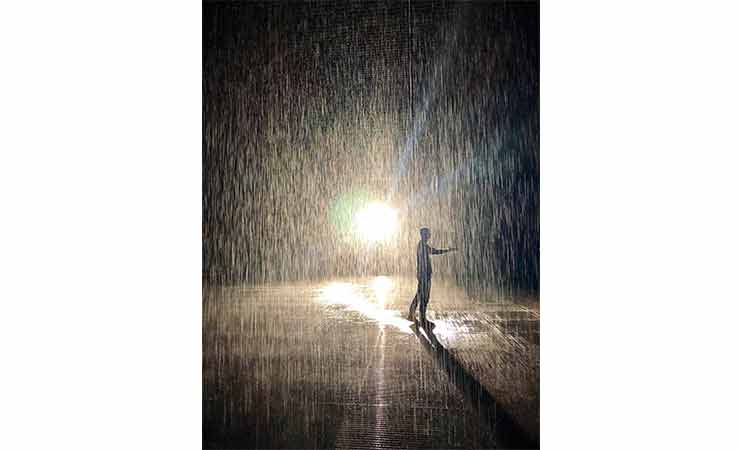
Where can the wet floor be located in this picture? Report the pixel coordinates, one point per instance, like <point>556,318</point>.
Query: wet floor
<point>335,364</point>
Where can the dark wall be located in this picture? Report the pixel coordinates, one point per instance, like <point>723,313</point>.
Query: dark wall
<point>433,108</point>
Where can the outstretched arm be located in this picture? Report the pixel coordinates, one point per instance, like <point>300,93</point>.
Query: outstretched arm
<point>441,251</point>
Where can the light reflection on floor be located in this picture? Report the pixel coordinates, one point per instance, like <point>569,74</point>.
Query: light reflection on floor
<point>372,307</point>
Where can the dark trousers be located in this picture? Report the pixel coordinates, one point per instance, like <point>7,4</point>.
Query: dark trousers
<point>422,297</point>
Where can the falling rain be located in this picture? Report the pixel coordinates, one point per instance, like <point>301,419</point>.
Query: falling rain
<point>333,132</point>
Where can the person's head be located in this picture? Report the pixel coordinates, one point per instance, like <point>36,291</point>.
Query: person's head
<point>425,233</point>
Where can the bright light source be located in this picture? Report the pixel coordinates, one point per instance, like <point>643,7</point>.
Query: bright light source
<point>376,222</point>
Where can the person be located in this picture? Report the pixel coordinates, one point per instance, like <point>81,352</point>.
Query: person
<point>424,275</point>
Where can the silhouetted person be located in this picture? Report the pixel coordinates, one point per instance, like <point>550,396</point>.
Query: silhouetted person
<point>424,275</point>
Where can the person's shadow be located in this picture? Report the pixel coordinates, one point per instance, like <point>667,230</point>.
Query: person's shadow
<point>507,432</point>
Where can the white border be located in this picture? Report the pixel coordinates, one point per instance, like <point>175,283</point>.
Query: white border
<point>639,224</point>
<point>100,176</point>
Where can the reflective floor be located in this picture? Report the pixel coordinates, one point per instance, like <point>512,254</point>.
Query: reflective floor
<point>336,365</point>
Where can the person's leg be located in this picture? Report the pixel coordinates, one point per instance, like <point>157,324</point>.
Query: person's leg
<point>412,308</point>
<point>424,289</point>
